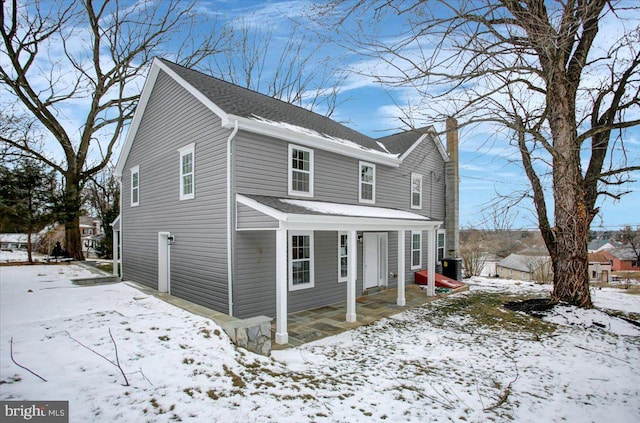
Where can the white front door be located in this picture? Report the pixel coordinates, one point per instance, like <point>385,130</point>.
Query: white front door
<point>163,262</point>
<point>374,260</point>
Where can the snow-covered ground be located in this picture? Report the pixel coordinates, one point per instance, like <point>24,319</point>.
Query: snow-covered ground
<point>441,362</point>
<point>17,255</point>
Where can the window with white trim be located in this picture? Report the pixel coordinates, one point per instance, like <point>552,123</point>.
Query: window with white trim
<point>135,186</point>
<point>300,260</point>
<point>367,185</point>
<point>441,244</point>
<point>416,250</point>
<point>187,172</point>
<point>343,256</point>
<point>416,191</point>
<point>300,171</point>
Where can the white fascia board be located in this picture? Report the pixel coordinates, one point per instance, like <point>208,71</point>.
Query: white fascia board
<point>313,141</point>
<point>156,67</point>
<point>436,141</point>
<point>224,116</point>
<point>137,117</point>
<point>346,223</point>
<point>269,211</point>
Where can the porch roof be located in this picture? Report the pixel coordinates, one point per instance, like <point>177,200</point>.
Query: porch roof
<point>313,214</point>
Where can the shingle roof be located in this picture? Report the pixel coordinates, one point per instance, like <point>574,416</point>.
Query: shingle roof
<point>400,142</point>
<point>242,102</point>
<point>624,253</point>
<point>522,263</point>
<point>598,258</point>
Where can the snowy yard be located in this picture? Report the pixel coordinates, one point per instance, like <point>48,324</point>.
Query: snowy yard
<point>461,358</point>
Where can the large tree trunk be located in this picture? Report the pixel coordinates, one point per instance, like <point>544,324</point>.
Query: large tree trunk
<point>572,221</point>
<point>570,261</point>
<point>71,217</point>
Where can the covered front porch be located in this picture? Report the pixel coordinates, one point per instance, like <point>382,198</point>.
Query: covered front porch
<point>311,325</point>
<point>285,215</point>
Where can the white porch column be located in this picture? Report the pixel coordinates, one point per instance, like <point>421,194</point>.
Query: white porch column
<point>431,261</point>
<point>352,272</point>
<point>401,276</point>
<point>116,236</point>
<point>282,337</point>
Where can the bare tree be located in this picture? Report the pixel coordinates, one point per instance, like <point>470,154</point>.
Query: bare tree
<point>102,195</point>
<point>632,237</point>
<point>473,253</point>
<point>541,271</point>
<point>60,59</point>
<point>290,68</point>
<point>540,70</point>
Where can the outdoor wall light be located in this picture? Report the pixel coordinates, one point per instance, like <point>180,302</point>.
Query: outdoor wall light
<point>360,239</point>
<point>171,239</point>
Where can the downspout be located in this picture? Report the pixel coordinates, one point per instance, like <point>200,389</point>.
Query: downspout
<point>230,180</point>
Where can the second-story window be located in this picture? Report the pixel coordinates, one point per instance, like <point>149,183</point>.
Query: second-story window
<point>300,171</point>
<point>416,191</point>
<point>187,172</point>
<point>367,190</point>
<point>135,186</point>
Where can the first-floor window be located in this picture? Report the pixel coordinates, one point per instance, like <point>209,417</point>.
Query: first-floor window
<point>300,260</point>
<point>441,244</point>
<point>343,256</point>
<point>416,250</point>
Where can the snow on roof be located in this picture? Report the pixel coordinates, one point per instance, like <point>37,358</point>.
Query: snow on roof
<point>14,238</point>
<point>353,210</point>
<point>311,132</point>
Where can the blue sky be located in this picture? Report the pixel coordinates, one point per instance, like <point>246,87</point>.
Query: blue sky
<point>489,167</point>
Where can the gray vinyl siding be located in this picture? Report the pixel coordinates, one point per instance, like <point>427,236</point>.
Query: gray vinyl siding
<point>198,266</point>
<point>262,168</point>
<point>248,218</point>
<point>255,288</point>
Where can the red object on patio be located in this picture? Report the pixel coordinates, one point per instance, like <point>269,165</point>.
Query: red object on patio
<point>441,280</point>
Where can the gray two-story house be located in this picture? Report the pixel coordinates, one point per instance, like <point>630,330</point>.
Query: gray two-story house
<point>252,206</point>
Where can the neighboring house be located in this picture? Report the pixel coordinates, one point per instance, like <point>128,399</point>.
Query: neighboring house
<point>252,206</point>
<point>597,245</point>
<point>489,267</point>
<point>16,241</point>
<point>622,258</point>
<point>599,268</point>
<point>91,231</point>
<point>524,267</point>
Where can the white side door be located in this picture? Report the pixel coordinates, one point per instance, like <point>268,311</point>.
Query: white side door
<point>374,260</point>
<point>164,284</point>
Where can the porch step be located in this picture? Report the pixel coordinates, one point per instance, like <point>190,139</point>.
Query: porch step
<point>374,290</point>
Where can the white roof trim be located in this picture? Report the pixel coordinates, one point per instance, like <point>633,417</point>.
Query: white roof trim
<point>436,140</point>
<point>137,117</point>
<point>333,222</point>
<point>271,212</point>
<point>156,67</point>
